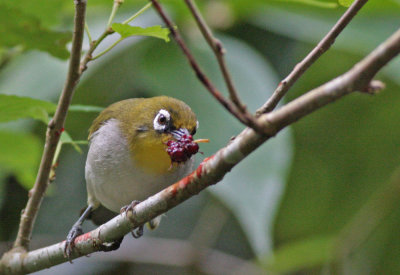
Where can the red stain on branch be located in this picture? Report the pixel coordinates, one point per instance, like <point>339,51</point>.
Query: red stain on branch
<point>83,238</point>
<point>183,183</point>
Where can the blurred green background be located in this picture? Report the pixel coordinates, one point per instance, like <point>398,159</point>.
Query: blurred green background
<point>320,198</point>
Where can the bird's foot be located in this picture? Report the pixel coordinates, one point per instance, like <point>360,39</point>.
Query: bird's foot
<point>137,232</point>
<point>129,207</point>
<point>75,231</point>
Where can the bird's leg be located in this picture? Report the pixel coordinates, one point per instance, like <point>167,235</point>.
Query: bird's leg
<point>75,231</point>
<point>137,232</point>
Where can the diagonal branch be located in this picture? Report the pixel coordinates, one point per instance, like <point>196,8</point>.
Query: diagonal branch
<point>54,130</point>
<point>213,169</point>
<point>320,49</point>
<point>244,117</point>
<point>219,52</point>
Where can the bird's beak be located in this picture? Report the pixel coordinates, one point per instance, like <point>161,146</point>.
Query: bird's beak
<point>179,133</point>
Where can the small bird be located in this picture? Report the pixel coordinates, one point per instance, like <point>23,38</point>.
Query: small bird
<point>137,147</point>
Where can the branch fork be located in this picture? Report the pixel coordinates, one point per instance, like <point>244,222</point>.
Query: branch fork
<point>267,124</point>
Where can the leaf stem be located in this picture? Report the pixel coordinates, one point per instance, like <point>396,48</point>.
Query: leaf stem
<point>142,10</point>
<point>88,33</point>
<point>116,5</point>
<point>108,49</point>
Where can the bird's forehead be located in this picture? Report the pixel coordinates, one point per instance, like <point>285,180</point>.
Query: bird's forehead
<point>181,115</point>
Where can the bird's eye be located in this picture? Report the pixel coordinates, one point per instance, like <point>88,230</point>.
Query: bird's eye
<point>162,121</point>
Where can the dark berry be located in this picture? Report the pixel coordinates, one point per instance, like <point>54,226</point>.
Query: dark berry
<point>182,149</point>
<point>192,148</point>
<point>179,155</point>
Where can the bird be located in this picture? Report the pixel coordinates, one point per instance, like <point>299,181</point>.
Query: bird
<point>137,147</point>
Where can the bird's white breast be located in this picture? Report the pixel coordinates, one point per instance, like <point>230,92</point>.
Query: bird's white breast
<point>113,179</point>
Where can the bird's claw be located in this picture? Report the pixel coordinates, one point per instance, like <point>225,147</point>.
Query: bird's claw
<point>137,232</point>
<point>75,231</point>
<point>129,207</point>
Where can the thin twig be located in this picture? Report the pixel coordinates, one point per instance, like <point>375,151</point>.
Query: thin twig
<point>301,67</point>
<point>53,132</point>
<point>107,50</point>
<point>219,52</point>
<point>142,10</point>
<point>245,118</point>
<point>116,5</point>
<point>88,33</point>
<point>213,169</point>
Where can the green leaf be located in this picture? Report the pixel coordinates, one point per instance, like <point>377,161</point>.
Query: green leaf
<point>345,3</point>
<point>126,30</point>
<point>15,107</point>
<point>85,108</point>
<point>20,156</point>
<point>301,254</point>
<point>49,12</point>
<point>19,28</point>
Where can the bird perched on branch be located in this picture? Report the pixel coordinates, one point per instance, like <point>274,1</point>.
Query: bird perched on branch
<point>137,147</point>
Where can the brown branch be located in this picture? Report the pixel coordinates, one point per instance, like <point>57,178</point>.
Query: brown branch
<point>243,117</point>
<point>213,169</point>
<point>320,49</point>
<point>219,52</point>
<point>54,129</point>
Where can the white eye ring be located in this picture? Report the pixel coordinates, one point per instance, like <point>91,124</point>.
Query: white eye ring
<point>162,114</point>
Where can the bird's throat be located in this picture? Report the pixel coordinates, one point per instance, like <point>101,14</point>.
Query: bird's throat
<point>151,156</point>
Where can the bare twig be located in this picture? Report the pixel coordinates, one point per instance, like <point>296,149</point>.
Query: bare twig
<point>53,132</point>
<point>301,67</point>
<point>219,52</point>
<point>243,117</point>
<point>213,169</point>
